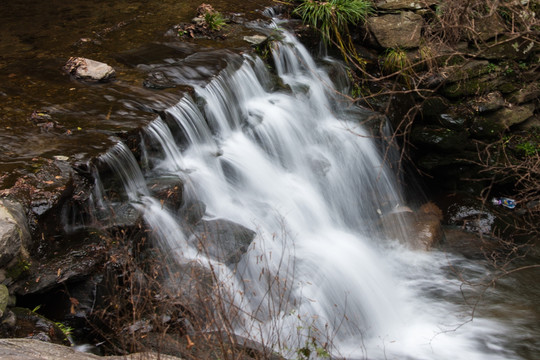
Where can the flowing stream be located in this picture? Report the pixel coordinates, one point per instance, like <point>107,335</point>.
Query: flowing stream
<point>294,164</point>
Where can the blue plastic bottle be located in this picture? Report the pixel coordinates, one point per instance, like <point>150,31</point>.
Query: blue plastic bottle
<point>509,203</point>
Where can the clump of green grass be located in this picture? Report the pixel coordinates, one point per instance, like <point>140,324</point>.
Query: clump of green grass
<point>334,16</point>
<point>214,20</point>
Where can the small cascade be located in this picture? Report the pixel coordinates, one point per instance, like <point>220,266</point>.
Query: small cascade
<point>293,167</point>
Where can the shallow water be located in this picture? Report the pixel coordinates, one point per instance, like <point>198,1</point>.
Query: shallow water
<point>37,38</point>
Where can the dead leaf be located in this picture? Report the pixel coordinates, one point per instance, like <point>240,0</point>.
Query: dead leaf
<point>190,343</point>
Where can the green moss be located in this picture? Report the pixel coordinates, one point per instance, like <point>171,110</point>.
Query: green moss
<point>20,269</point>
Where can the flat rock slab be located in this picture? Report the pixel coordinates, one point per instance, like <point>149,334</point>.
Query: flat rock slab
<point>28,349</point>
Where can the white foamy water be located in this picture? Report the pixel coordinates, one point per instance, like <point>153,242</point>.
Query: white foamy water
<point>285,164</point>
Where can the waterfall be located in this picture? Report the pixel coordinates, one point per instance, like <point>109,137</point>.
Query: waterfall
<point>293,164</point>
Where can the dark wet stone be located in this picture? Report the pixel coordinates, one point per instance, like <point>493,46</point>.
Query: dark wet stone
<point>167,189</point>
<point>196,69</point>
<point>158,81</point>
<point>433,107</point>
<point>73,264</point>
<point>471,215</point>
<point>452,121</point>
<point>222,239</point>
<point>192,211</point>
<point>470,245</point>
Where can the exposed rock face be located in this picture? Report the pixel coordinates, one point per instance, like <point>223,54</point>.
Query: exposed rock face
<point>87,69</point>
<point>403,4</point>
<point>13,231</point>
<point>400,30</point>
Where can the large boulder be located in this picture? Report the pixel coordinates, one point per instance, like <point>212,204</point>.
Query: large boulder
<point>14,234</point>
<point>397,30</point>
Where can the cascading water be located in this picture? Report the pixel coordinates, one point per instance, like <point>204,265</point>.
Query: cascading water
<point>294,165</point>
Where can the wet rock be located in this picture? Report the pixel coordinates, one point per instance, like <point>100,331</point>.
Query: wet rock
<point>90,70</point>
<point>222,239</point>
<point>30,349</point>
<point>75,263</point>
<point>403,4</point>
<point>256,39</point>
<point>491,102</point>
<point>434,161</point>
<point>167,189</point>
<point>196,69</point>
<point>119,215</point>
<point>452,121</point>
<point>401,30</point>
<point>470,215</point>
<point>528,93</point>
<point>191,284</point>
<point>433,107</point>
<point>470,245</point>
<point>420,230</point>
<point>319,164</point>
<point>192,211</point>
<point>440,138</point>
<point>14,234</point>
<point>158,80</point>
<point>428,228</point>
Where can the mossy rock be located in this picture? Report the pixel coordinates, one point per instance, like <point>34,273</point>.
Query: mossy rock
<point>35,326</point>
<point>472,87</point>
<point>493,124</point>
<point>501,48</point>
